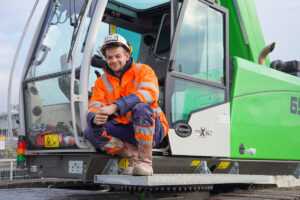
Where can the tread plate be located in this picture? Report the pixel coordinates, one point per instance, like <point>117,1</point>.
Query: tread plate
<point>181,179</point>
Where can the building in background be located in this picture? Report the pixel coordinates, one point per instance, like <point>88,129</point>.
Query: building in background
<point>4,124</point>
<point>8,145</point>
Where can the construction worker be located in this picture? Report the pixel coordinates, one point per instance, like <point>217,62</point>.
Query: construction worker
<point>124,117</point>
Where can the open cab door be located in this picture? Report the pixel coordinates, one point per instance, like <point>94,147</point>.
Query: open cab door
<point>52,84</point>
<point>197,83</point>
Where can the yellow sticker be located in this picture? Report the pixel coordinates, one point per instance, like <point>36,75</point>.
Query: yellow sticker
<point>223,165</point>
<point>51,141</point>
<point>195,163</point>
<point>113,29</point>
<point>123,163</point>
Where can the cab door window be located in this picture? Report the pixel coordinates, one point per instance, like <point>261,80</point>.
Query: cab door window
<point>200,46</point>
<point>197,81</point>
<point>47,84</point>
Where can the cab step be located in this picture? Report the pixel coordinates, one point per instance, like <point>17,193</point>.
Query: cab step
<point>182,179</point>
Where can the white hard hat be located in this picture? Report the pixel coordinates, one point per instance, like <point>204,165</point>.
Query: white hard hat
<point>115,38</point>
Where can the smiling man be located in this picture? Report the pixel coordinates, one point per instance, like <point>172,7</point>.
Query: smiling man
<point>124,117</point>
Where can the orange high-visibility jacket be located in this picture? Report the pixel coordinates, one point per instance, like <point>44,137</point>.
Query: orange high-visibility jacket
<point>138,84</point>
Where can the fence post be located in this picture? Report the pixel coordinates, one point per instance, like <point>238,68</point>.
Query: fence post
<point>11,170</point>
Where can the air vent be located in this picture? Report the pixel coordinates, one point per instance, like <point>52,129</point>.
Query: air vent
<point>33,91</point>
<point>37,111</point>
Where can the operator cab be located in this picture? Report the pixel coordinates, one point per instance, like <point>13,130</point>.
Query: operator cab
<point>63,37</point>
<point>183,41</point>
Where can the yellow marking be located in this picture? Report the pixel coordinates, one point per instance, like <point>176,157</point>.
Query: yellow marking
<point>2,143</point>
<point>223,165</point>
<point>123,163</point>
<point>51,141</point>
<point>195,163</point>
<point>113,29</point>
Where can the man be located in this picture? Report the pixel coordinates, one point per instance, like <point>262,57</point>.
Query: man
<point>124,117</point>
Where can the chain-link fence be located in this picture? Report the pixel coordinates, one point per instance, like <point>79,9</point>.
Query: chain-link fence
<point>7,167</point>
<point>8,160</point>
<point>8,147</point>
<point>10,171</point>
<point>9,141</point>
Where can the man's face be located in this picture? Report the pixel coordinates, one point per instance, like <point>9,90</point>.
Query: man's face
<point>116,59</point>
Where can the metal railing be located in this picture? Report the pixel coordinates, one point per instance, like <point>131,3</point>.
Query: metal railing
<point>10,148</point>
<point>4,164</point>
<point>10,171</point>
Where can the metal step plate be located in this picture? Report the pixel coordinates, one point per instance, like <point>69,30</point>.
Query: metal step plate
<point>182,179</point>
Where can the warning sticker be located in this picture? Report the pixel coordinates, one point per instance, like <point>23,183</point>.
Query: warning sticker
<point>123,163</point>
<point>51,141</point>
<point>195,163</point>
<point>223,165</point>
<point>113,29</point>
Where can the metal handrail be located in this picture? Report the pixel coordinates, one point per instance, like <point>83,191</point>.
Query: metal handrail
<point>73,97</point>
<point>158,35</point>
<point>86,60</point>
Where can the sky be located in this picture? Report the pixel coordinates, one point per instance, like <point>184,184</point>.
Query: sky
<point>279,20</point>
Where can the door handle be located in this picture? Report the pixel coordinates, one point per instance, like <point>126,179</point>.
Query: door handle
<point>44,49</point>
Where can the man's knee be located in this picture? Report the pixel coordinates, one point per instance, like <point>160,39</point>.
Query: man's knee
<point>95,137</point>
<point>142,114</point>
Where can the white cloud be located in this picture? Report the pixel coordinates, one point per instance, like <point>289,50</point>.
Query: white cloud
<point>2,36</point>
<point>13,16</point>
<point>6,54</point>
<point>4,79</point>
<point>280,23</point>
<point>16,11</point>
<point>4,76</point>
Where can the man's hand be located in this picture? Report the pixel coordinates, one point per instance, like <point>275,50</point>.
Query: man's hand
<point>109,110</point>
<point>102,114</point>
<point>100,118</point>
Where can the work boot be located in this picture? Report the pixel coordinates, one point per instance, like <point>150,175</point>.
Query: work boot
<point>144,165</point>
<point>129,152</point>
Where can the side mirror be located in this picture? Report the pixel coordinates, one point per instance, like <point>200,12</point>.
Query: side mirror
<point>98,61</point>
